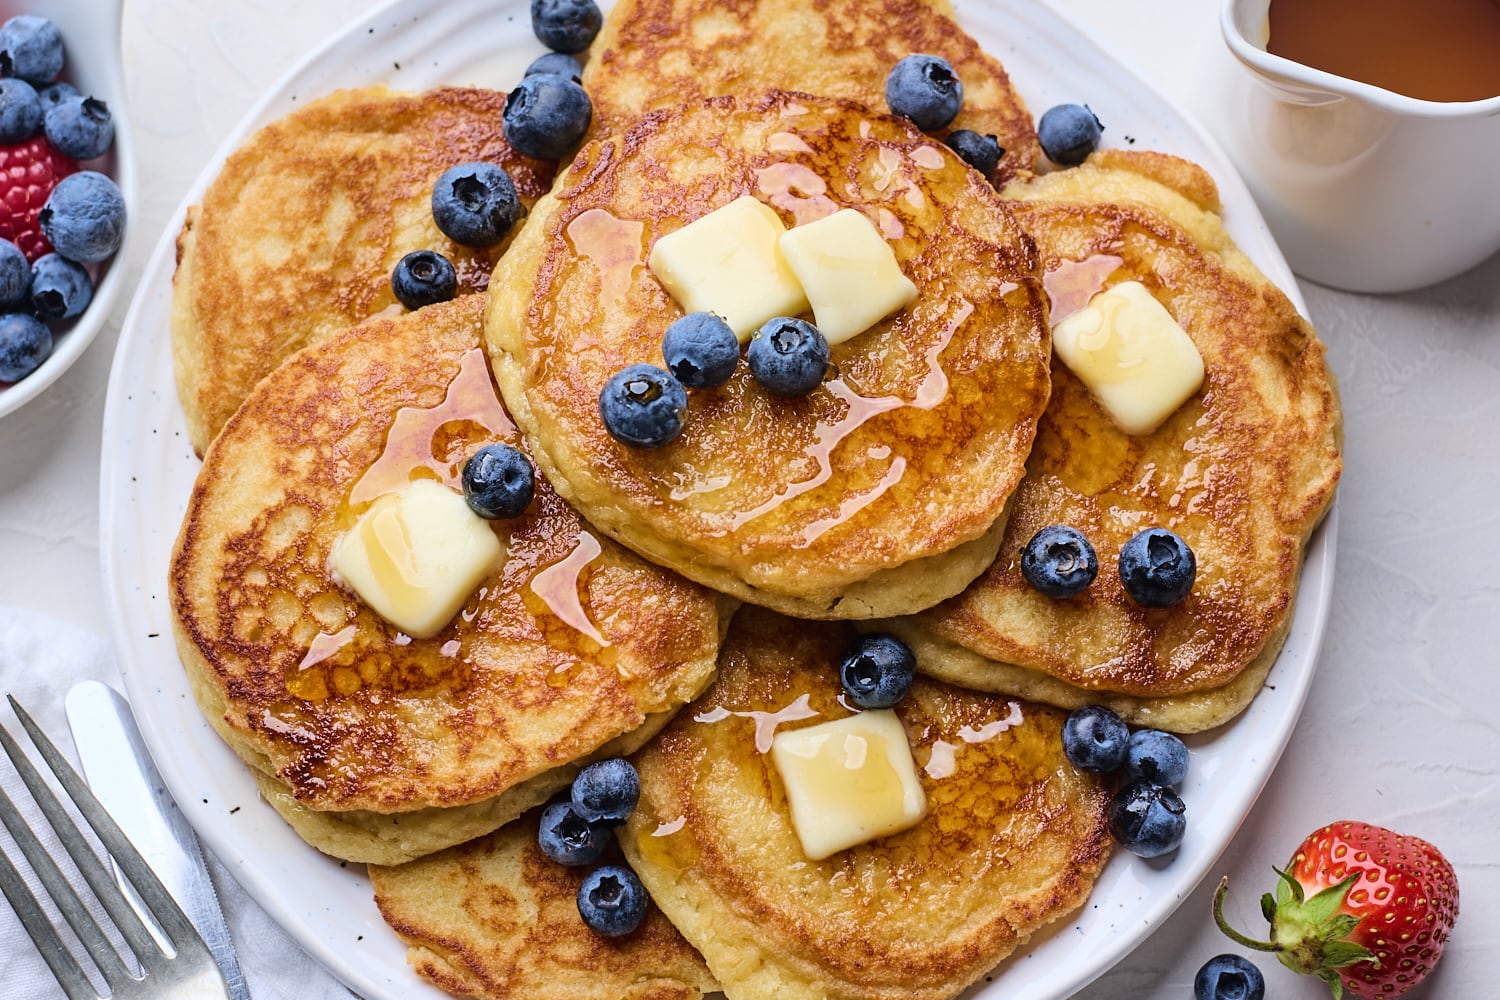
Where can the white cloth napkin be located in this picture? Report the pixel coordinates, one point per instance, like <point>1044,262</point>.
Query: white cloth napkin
<point>40,659</point>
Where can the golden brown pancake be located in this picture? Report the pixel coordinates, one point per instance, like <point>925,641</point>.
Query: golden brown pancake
<point>1243,471</point>
<point>659,53</point>
<point>882,491</point>
<point>297,236</point>
<point>378,746</point>
<point>1012,840</point>
<point>495,918</point>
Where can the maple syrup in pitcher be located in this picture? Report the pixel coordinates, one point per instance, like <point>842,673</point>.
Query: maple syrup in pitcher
<point>1435,50</point>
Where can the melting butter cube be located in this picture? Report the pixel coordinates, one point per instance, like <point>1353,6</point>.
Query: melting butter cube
<point>848,271</point>
<point>727,263</point>
<point>849,781</point>
<point>1131,354</point>
<point>416,555</point>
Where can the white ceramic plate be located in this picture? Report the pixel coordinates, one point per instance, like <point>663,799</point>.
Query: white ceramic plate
<point>148,470</point>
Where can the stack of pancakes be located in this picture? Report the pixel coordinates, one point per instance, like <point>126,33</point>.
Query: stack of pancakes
<point>896,497</point>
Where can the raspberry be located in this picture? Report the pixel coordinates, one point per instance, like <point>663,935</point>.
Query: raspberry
<point>28,172</point>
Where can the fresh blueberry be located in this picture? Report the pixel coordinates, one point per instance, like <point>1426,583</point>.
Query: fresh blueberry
<point>568,838</point>
<point>31,48</point>
<point>877,670</point>
<point>925,89</point>
<point>423,277</point>
<point>15,276</point>
<point>1157,756</point>
<point>556,64</point>
<point>1059,562</point>
<point>475,204</point>
<point>982,152</point>
<point>1229,977</point>
<point>643,406</point>
<point>1147,819</point>
<point>498,482</point>
<point>1157,568</point>
<point>84,217</point>
<point>1068,133</point>
<point>55,93</point>
<point>788,357</point>
<point>612,900</point>
<point>546,115</point>
<point>607,791</point>
<point>566,25</point>
<point>25,343</point>
<point>1094,739</point>
<point>701,350</point>
<point>60,289</point>
<point>20,111</point>
<point>80,127</point>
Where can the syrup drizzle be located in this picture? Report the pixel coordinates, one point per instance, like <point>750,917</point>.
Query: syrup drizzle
<point>325,645</point>
<point>614,246</point>
<point>765,722</point>
<point>558,586</point>
<point>796,189</point>
<point>1072,283</point>
<point>942,760</point>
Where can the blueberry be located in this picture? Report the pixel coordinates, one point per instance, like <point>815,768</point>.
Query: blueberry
<point>423,277</point>
<point>1147,819</point>
<point>25,343</point>
<point>84,217</point>
<point>20,111</point>
<point>15,276</point>
<point>1094,739</point>
<point>568,838</point>
<point>499,482</point>
<point>566,25</point>
<point>80,127</point>
<point>55,93</point>
<point>1059,562</point>
<point>925,89</point>
<point>607,791</point>
<point>1068,133</point>
<point>877,670</point>
<point>546,115</point>
<point>612,900</point>
<point>556,64</point>
<point>31,48</point>
<point>701,350</point>
<point>788,357</point>
<point>475,204</point>
<point>60,289</point>
<point>982,152</point>
<point>643,406</point>
<point>1229,977</point>
<point>1157,568</point>
<point>1156,756</point>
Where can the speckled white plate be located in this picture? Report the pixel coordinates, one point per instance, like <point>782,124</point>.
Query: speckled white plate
<point>148,470</point>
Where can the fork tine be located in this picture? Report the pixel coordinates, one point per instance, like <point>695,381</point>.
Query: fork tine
<point>65,968</point>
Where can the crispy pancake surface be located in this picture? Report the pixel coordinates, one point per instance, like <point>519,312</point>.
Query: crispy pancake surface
<point>1013,837</point>
<point>883,490</point>
<point>297,236</point>
<point>1243,471</point>
<point>378,746</point>
<point>658,53</point>
<point>495,918</point>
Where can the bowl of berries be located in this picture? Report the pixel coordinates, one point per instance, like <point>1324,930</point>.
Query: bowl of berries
<point>67,182</point>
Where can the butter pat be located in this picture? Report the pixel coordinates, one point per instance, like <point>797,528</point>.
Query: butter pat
<point>849,781</point>
<point>415,556</point>
<point>848,271</point>
<point>1131,354</point>
<point>727,263</point>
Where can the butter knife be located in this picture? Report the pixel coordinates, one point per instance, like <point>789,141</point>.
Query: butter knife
<point>119,770</point>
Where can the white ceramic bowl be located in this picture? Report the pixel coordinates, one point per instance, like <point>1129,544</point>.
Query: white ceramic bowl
<point>91,37</point>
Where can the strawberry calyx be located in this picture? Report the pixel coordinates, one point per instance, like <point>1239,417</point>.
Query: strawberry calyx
<point>1309,934</point>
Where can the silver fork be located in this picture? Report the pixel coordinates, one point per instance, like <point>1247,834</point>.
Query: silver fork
<point>189,973</point>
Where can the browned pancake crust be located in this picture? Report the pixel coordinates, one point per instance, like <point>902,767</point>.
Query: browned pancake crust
<point>508,691</point>
<point>297,236</point>
<point>658,53</point>
<point>907,456</point>
<point>494,918</point>
<point>1013,838</point>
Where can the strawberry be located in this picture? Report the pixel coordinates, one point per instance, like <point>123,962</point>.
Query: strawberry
<point>1362,908</point>
<point>28,172</point>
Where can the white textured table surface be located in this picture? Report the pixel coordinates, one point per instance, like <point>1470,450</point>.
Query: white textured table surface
<point>1400,728</point>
